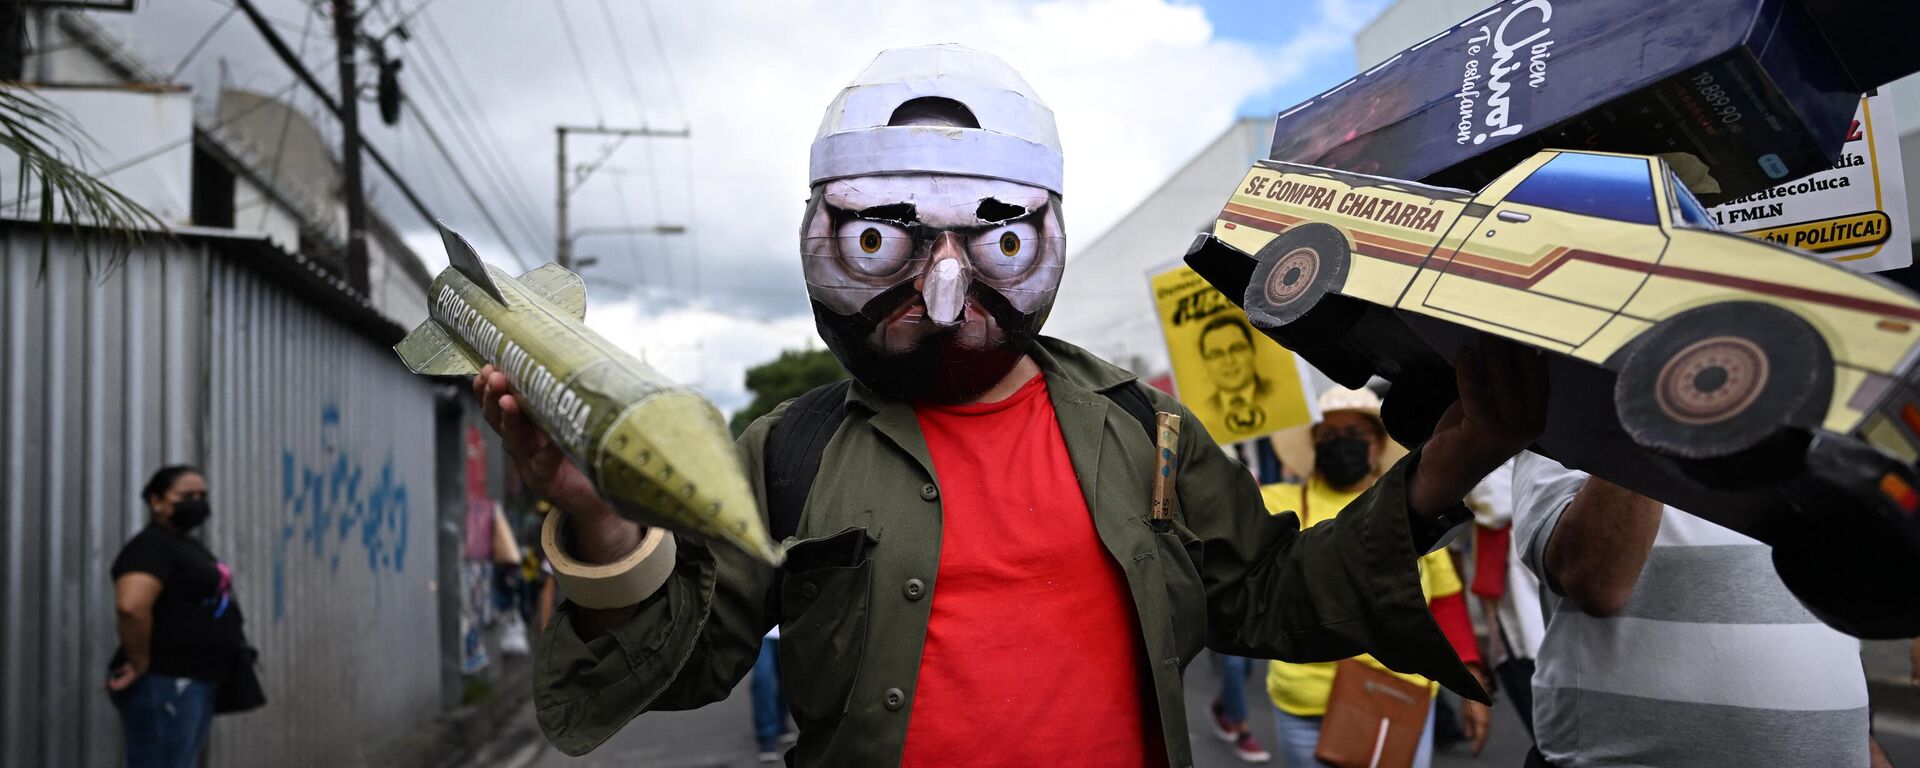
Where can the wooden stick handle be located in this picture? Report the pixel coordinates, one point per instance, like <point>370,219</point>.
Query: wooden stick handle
<point>1166,463</point>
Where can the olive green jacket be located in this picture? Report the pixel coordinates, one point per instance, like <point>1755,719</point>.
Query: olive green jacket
<point>858,586</point>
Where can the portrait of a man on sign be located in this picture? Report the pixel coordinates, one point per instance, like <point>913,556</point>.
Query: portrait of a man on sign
<point>1239,383</point>
<point>1232,364</point>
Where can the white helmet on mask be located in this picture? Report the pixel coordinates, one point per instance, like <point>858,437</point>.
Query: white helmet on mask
<point>870,128</point>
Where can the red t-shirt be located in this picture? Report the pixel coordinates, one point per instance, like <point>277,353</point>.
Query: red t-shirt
<point>1033,654</point>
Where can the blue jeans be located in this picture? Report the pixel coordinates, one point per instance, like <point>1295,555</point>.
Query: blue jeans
<point>1233,688</point>
<point>769,702</point>
<point>1299,735</point>
<point>165,720</point>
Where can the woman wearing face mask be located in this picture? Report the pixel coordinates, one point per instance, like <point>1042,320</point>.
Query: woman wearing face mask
<point>1340,457</point>
<point>180,627</point>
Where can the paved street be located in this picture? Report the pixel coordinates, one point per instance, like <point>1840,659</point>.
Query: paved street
<point>721,735</point>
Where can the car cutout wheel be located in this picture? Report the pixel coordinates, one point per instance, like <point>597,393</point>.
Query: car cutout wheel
<point>1289,279</point>
<point>1712,380</point>
<point>1728,384</point>
<point>1294,272</point>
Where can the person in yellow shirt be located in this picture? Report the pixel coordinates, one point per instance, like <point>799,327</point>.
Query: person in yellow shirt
<point>1340,456</point>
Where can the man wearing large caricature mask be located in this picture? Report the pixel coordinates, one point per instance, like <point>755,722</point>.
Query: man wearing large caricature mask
<point>973,576</point>
<point>932,244</point>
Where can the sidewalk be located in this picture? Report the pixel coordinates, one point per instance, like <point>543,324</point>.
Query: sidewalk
<point>720,735</point>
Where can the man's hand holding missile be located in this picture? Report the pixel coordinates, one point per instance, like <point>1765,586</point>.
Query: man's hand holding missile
<point>600,534</point>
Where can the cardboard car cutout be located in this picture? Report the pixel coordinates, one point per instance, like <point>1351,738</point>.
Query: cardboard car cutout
<point>1745,382</point>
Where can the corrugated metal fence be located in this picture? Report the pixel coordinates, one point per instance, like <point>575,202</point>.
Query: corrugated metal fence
<point>319,449</point>
<point>101,382</point>
<point>326,442</point>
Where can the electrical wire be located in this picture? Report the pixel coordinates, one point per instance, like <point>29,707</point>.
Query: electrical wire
<point>633,243</point>
<point>174,74</point>
<point>626,65</point>
<point>150,154</point>
<point>586,78</point>
<point>485,212</point>
<point>286,118</point>
<point>666,64</point>
<point>466,88</point>
<point>463,133</point>
<point>406,17</point>
<point>653,170</point>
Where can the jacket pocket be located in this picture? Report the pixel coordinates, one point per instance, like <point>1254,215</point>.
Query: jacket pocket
<point>1179,552</point>
<point>824,601</point>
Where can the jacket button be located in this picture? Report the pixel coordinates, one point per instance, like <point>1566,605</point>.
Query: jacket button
<point>916,589</point>
<point>895,699</point>
<point>809,590</point>
<point>929,492</point>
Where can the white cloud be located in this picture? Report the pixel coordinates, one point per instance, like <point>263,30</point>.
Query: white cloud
<point>1138,86</point>
<point>711,350</point>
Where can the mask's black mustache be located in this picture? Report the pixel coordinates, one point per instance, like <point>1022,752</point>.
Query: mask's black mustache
<point>881,307</point>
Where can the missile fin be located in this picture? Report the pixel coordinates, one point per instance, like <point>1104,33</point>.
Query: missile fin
<point>430,351</point>
<point>557,284</point>
<point>461,257</point>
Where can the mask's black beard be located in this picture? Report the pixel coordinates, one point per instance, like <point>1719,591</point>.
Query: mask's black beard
<point>940,369</point>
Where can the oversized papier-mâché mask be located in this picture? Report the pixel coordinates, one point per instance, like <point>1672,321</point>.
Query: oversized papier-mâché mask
<point>932,243</point>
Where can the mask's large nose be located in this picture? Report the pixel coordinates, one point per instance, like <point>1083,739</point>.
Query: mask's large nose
<point>945,286</point>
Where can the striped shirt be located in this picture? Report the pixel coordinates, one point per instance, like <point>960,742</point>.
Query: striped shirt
<point>1711,663</point>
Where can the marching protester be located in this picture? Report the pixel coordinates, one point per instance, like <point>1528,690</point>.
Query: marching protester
<point>1671,641</point>
<point>771,729</point>
<point>974,570</point>
<point>1340,456</point>
<point>1228,712</point>
<point>1509,593</point>
<point>183,654</point>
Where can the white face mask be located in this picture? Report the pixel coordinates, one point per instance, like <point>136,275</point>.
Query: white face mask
<point>931,285</point>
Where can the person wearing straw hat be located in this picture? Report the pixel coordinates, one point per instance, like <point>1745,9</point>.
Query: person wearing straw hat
<point>1340,456</point>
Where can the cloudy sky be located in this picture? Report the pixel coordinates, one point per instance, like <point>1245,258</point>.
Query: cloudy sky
<point>1138,86</point>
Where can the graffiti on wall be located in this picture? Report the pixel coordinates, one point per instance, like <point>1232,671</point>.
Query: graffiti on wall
<point>339,509</point>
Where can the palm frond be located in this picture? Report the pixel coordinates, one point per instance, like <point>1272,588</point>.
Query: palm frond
<point>101,220</point>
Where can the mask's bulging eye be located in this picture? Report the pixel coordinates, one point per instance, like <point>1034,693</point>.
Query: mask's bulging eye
<point>1005,252</point>
<point>874,248</point>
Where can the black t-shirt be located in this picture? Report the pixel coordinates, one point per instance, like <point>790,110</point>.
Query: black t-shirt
<point>196,619</point>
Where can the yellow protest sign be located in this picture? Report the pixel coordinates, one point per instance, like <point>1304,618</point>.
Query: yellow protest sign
<point>1239,383</point>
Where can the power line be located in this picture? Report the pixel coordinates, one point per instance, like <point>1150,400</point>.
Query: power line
<point>666,63</point>
<point>162,149</point>
<point>626,65</point>
<point>286,118</point>
<point>462,134</point>
<point>633,245</point>
<point>407,17</point>
<point>485,213</point>
<point>300,71</point>
<point>580,59</point>
<point>466,89</point>
<point>482,143</point>
<point>201,43</point>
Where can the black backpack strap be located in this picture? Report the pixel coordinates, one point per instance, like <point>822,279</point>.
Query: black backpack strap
<point>1132,398</point>
<point>793,451</point>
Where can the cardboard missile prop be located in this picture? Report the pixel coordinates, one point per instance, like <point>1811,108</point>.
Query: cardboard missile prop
<point>1754,385</point>
<point>658,451</point>
<point>1746,93</point>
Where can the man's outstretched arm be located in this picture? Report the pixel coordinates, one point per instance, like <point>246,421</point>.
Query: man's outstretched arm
<point>683,644</point>
<point>1351,585</point>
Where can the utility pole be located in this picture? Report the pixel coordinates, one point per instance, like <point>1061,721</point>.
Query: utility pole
<point>563,238</point>
<point>345,30</point>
